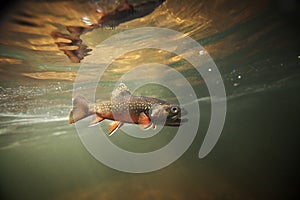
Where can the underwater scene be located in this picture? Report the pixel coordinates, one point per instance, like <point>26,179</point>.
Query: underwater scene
<point>149,99</point>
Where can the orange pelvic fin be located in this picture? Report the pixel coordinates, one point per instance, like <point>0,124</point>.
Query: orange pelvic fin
<point>97,120</point>
<point>145,121</point>
<point>114,126</point>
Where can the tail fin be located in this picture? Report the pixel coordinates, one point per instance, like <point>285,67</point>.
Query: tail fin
<point>80,109</point>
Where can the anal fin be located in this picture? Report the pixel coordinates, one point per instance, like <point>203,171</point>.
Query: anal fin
<point>114,126</point>
<point>97,120</point>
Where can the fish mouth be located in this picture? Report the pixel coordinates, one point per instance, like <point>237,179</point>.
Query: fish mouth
<point>177,120</point>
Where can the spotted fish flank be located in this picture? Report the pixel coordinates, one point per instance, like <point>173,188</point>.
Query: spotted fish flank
<point>124,107</point>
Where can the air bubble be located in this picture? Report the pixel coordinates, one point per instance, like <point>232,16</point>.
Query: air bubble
<point>201,52</point>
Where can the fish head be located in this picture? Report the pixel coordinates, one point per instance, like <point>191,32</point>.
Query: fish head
<point>167,114</point>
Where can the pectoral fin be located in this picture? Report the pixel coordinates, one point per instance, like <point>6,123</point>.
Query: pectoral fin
<point>153,126</point>
<point>114,126</point>
<point>145,121</point>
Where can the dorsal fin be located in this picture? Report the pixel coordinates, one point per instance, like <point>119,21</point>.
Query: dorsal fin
<point>120,93</point>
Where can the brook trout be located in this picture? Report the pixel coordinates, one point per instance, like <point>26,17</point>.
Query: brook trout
<point>124,107</point>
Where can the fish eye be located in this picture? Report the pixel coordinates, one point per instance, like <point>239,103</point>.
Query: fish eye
<point>174,109</point>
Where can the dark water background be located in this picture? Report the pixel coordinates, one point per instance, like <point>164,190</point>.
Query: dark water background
<point>256,47</point>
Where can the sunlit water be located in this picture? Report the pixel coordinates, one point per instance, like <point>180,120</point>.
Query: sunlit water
<point>256,47</point>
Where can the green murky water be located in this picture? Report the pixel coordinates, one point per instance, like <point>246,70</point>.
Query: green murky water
<point>255,46</point>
